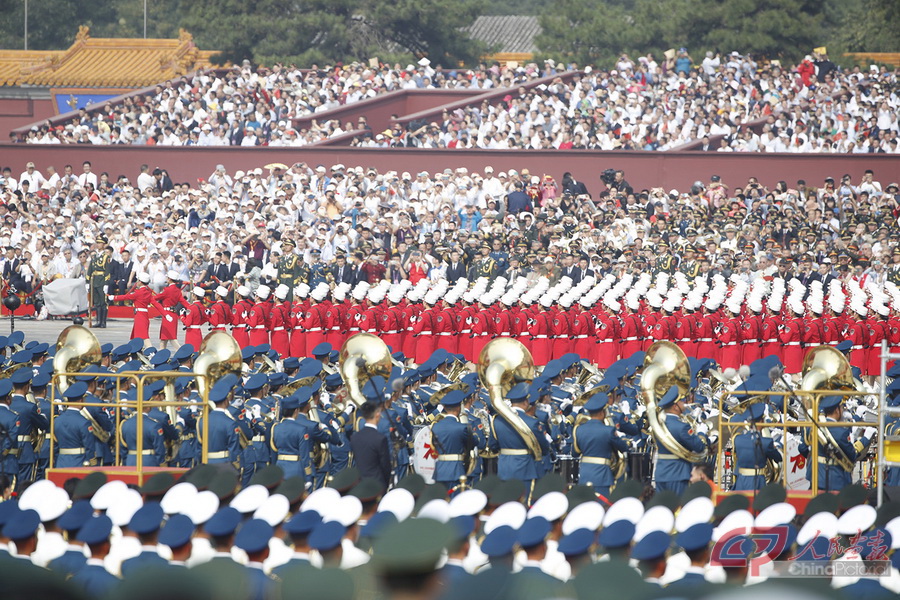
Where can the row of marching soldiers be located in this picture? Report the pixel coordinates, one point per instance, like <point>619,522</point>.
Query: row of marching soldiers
<point>733,330</point>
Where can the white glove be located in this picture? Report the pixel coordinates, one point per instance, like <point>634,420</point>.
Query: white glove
<point>257,411</point>
<point>625,407</point>
<point>869,432</point>
<point>548,438</point>
<point>105,289</point>
<point>179,421</point>
<point>703,428</point>
<point>350,408</point>
<point>110,297</point>
<point>565,403</point>
<point>640,410</point>
<point>325,398</point>
<point>861,411</point>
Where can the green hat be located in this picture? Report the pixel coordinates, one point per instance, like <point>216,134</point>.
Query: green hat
<point>292,488</point>
<point>666,498</point>
<point>613,577</point>
<point>309,583</point>
<point>367,490</point>
<point>413,483</point>
<point>698,489</point>
<point>269,477</point>
<point>429,493</point>
<point>773,493</point>
<point>413,546</point>
<point>886,512</point>
<point>158,485</point>
<point>630,488</point>
<point>551,482</point>
<point>88,486</point>
<point>579,494</point>
<point>344,480</point>
<point>201,476</point>
<point>224,485</point>
<point>729,504</point>
<point>488,484</point>
<point>852,495</point>
<point>824,502</point>
<point>512,490</point>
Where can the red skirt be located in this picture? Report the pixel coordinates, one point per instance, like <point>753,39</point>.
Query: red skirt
<point>140,329</point>
<point>792,357</point>
<point>258,337</point>
<point>240,336</point>
<point>606,353</point>
<point>168,329</point>
<point>194,337</point>
<point>313,339</point>
<point>424,347</point>
<point>281,343</point>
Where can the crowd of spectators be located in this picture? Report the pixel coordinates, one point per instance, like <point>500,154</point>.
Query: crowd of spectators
<point>726,103</point>
<point>351,224</point>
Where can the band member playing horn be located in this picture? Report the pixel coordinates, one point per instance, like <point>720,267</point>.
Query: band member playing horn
<point>674,473</point>
<point>595,442</point>
<point>752,450</point>
<point>516,462</point>
<point>453,441</point>
<point>836,463</point>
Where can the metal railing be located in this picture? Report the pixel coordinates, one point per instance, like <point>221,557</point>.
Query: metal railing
<point>120,404</point>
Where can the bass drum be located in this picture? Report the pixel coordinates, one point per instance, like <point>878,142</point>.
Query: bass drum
<point>567,467</point>
<point>424,455</point>
<point>640,466</point>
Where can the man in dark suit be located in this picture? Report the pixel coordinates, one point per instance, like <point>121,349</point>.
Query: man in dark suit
<point>455,267</point>
<point>371,452</point>
<point>231,267</point>
<point>518,201</point>
<point>12,271</point>
<point>341,271</point>
<point>570,270</point>
<point>121,273</point>
<point>357,270</point>
<point>217,271</point>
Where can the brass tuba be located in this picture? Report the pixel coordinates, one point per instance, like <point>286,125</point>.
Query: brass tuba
<point>76,348</point>
<point>666,365</point>
<point>362,357</point>
<point>503,363</point>
<point>825,368</point>
<point>219,355</point>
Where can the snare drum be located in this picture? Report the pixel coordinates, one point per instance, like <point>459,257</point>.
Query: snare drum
<point>567,467</point>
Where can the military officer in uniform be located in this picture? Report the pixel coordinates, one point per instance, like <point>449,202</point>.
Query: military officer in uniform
<point>752,450</point>
<point>485,265</point>
<point>293,437</point>
<point>515,461</point>
<point>453,441</point>
<point>674,473</point>
<point>595,442</point>
<point>154,447</point>
<point>289,267</point>
<point>99,275</point>
<point>9,432</point>
<point>74,438</point>
<point>226,437</point>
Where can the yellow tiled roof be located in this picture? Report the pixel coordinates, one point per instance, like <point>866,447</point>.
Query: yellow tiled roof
<point>104,62</point>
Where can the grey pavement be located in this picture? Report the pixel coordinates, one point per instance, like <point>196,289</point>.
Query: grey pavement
<point>117,332</point>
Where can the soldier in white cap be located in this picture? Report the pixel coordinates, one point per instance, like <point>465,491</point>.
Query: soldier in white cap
<point>170,299</point>
<point>258,317</point>
<point>193,316</point>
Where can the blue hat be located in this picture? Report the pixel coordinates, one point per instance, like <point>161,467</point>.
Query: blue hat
<point>23,524</point>
<point>303,396</point>
<point>255,382</point>
<point>75,518</point>
<point>454,398</point>
<point>42,348</point>
<point>95,530</point>
<point>303,523</point>
<point>695,537</point>
<point>290,403</point>
<point>16,338</point>
<point>262,349</point>
<point>136,345</point>
<point>334,355</point>
<point>21,357</point>
<point>669,398</point>
<point>533,532</point>
<point>597,402</point>
<point>617,535</point>
<point>577,542</point>
<point>291,362</point>
<point>120,352</point>
<point>4,341</point>
<point>8,510</point>
<point>518,392</point>
<point>399,356</point>
<point>277,379</point>
<point>310,367</point>
<point>21,375</point>
<point>326,536</point>
<point>322,349</point>
<point>756,411</point>
<point>153,388</point>
<point>499,542</point>
<point>373,390</point>
<point>845,346</point>
<point>462,526</point>
<point>652,546</point>
<point>856,371</point>
<point>185,352</point>
<point>570,359</point>
<point>378,523</point>
<point>551,370</point>
<point>875,543</point>
<point>105,349</point>
<point>223,523</point>
<point>254,535</point>
<point>147,519</point>
<point>74,392</point>
<point>333,380</point>
<point>161,357</point>
<point>181,384</point>
<point>829,402</point>
<point>177,531</point>
<point>131,365</point>
<point>248,352</point>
